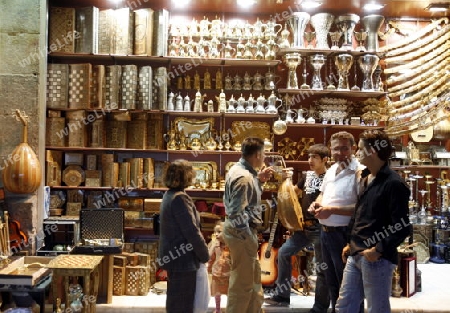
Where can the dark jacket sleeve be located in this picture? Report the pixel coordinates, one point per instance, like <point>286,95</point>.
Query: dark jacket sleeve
<point>189,226</point>
<point>398,194</point>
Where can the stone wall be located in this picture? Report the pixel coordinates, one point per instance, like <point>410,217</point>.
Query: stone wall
<point>22,86</point>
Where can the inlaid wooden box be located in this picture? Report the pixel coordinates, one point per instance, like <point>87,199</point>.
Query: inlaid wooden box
<point>118,280</point>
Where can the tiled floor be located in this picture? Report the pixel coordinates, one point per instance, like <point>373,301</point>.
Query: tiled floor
<point>434,298</point>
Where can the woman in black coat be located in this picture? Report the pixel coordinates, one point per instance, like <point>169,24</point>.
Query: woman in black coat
<point>181,244</point>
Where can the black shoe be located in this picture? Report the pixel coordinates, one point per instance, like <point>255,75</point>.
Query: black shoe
<point>278,301</point>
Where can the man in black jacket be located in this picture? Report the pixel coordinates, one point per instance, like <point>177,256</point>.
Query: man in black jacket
<point>379,225</point>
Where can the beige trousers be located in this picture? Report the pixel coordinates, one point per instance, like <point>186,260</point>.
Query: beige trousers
<point>245,293</point>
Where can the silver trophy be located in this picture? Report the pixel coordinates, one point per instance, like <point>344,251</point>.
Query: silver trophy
<point>346,24</point>
<point>322,23</point>
<point>372,24</point>
<point>335,37</point>
<point>343,64</point>
<point>317,61</point>
<point>292,60</point>
<point>297,23</point>
<point>361,39</point>
<point>368,63</point>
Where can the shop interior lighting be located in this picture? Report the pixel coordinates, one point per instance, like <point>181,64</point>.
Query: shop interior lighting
<point>245,3</point>
<point>438,7</point>
<point>310,4</point>
<point>373,6</point>
<point>181,3</point>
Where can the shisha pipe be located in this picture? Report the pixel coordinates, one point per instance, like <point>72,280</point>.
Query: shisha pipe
<point>417,176</point>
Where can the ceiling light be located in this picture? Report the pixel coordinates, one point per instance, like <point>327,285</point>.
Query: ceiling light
<point>438,7</point>
<point>310,4</point>
<point>181,3</point>
<point>245,3</point>
<point>373,6</point>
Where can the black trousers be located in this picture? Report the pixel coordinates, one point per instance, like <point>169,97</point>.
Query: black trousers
<point>180,291</point>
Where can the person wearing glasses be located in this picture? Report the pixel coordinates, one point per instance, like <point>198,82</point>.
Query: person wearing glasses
<point>334,207</point>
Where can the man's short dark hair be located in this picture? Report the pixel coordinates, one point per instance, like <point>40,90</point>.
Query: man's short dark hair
<point>379,141</point>
<point>343,135</point>
<point>319,149</point>
<point>251,145</point>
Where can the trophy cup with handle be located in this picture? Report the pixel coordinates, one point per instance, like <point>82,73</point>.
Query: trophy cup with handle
<point>360,37</point>
<point>292,60</point>
<point>346,24</point>
<point>343,64</point>
<point>297,22</point>
<point>317,61</point>
<point>322,23</point>
<point>368,63</point>
<point>335,37</point>
<point>372,24</point>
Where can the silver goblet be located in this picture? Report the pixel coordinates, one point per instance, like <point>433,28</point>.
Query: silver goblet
<point>292,60</point>
<point>321,22</point>
<point>368,63</point>
<point>360,38</point>
<point>297,23</point>
<point>335,37</point>
<point>317,61</point>
<point>343,64</point>
<point>346,24</point>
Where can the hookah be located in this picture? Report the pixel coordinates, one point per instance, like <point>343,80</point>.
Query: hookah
<point>304,75</point>
<point>422,215</point>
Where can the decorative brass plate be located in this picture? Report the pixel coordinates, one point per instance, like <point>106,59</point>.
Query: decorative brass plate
<point>243,129</point>
<point>193,128</point>
<point>206,172</point>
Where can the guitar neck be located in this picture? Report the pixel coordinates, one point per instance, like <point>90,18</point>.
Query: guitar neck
<point>274,225</point>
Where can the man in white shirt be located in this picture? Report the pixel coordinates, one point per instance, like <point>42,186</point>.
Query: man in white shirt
<point>335,205</point>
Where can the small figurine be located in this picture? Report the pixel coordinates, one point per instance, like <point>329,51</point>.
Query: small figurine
<point>187,82</point>
<point>219,84</point>
<point>207,80</point>
<point>196,81</point>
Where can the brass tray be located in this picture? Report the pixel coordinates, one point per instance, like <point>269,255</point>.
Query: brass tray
<point>243,129</point>
<point>206,172</point>
<point>193,128</point>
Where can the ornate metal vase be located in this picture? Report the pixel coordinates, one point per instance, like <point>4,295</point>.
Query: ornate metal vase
<point>346,24</point>
<point>368,63</point>
<point>297,23</point>
<point>343,64</point>
<point>292,60</point>
<point>317,61</point>
<point>322,23</point>
<point>372,24</point>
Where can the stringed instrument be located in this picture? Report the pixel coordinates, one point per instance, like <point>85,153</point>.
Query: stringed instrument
<point>268,255</point>
<point>22,173</point>
<point>17,238</point>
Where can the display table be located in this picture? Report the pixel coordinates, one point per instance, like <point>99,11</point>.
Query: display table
<point>85,266</point>
<point>37,292</point>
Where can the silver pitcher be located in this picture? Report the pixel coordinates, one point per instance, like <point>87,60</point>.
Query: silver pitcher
<point>297,23</point>
<point>322,23</point>
<point>372,24</point>
<point>346,24</point>
<point>368,63</point>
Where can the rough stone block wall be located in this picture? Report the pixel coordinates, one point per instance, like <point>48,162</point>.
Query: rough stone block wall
<point>21,55</point>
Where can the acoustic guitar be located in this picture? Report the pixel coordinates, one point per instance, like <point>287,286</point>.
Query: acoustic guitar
<point>268,255</point>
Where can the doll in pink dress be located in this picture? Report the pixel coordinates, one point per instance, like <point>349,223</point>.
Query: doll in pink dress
<point>219,265</point>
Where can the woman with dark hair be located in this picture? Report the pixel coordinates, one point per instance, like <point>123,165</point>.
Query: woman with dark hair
<point>181,244</point>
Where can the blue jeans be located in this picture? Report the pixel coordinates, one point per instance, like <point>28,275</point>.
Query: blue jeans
<point>332,244</point>
<point>321,294</point>
<point>370,279</point>
<point>297,241</point>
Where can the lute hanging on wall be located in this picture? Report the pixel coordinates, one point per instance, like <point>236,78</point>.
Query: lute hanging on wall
<point>22,174</point>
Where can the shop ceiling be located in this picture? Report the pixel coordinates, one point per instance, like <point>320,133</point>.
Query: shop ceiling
<point>392,8</point>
